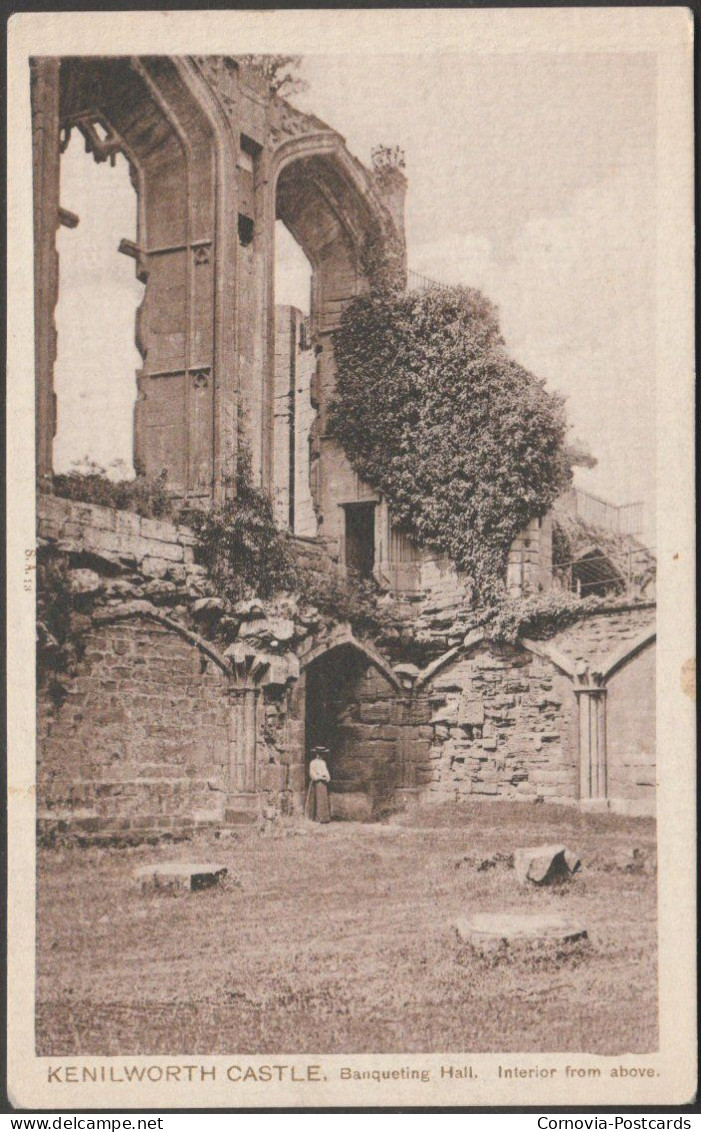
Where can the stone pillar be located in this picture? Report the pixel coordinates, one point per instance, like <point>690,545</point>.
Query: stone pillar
<point>46,162</point>
<point>297,769</point>
<point>593,784</point>
<point>242,793</point>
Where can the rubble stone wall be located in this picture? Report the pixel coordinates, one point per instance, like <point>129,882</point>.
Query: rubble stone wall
<point>504,725</point>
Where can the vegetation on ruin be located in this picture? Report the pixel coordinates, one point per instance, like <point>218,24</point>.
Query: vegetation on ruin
<point>279,71</point>
<point>244,552</point>
<point>88,482</point>
<point>58,625</point>
<point>465,444</point>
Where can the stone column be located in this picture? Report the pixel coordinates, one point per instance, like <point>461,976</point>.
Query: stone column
<point>46,163</point>
<point>593,785</point>
<point>242,793</point>
<point>297,772</point>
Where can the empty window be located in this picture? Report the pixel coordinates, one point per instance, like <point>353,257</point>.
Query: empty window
<point>360,538</point>
<point>99,293</point>
<point>246,228</point>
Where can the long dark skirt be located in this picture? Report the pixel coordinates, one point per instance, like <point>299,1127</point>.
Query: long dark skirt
<point>319,809</point>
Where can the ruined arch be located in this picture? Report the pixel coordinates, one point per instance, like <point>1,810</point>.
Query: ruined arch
<point>160,114</point>
<point>344,225</point>
<point>141,610</point>
<point>215,157</point>
<point>502,721</point>
<point>345,637</point>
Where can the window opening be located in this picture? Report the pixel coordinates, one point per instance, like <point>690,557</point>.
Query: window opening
<point>97,357</point>
<point>360,538</point>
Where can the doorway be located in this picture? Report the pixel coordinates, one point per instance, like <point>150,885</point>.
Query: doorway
<point>351,709</point>
<point>360,538</point>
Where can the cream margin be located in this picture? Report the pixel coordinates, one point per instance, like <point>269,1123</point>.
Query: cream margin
<point>667,32</point>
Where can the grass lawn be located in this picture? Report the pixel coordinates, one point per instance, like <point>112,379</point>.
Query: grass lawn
<point>340,938</point>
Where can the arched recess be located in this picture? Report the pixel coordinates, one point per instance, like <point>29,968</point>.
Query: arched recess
<point>136,611</point>
<point>142,739</point>
<point>349,700</point>
<point>158,112</point>
<point>345,227</point>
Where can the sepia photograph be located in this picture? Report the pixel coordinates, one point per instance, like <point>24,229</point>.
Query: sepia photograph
<point>346,369</point>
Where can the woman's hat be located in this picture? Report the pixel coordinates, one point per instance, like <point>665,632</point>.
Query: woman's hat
<point>320,750</point>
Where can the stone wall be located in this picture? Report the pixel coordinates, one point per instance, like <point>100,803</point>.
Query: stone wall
<point>295,365</point>
<point>503,725</point>
<point>630,728</point>
<point>141,742</point>
<point>186,708</point>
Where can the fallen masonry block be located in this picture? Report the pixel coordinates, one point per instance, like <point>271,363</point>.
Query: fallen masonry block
<point>545,864</point>
<point>178,875</point>
<point>487,932</point>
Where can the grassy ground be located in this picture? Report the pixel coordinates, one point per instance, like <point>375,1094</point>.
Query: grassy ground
<point>340,939</point>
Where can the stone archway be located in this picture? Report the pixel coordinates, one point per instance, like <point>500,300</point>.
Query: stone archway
<point>351,708</point>
<point>349,700</point>
<point>161,115</point>
<point>348,230</point>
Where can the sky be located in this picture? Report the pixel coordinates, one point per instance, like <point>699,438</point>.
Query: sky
<point>530,177</point>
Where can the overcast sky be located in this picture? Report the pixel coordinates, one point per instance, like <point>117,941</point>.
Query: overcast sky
<point>531,178</point>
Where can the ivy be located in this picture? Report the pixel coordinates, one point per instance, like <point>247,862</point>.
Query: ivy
<point>59,622</point>
<point>244,552</point>
<point>465,444</point>
<point>359,601</point>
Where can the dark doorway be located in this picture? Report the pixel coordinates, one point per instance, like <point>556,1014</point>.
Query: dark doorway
<point>351,708</point>
<point>360,538</point>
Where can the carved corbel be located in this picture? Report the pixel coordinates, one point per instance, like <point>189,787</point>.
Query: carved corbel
<point>407,674</point>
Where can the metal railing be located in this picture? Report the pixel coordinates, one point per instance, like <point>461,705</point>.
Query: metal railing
<point>627,519</point>
<point>415,281</point>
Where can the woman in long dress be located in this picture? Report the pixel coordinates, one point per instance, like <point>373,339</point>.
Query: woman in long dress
<point>319,809</point>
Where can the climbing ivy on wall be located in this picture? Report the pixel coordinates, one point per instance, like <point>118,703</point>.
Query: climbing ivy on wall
<point>466,445</point>
<point>242,549</point>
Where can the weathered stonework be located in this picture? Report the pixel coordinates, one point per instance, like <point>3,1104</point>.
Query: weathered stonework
<point>182,707</point>
<point>141,741</point>
<point>185,709</point>
<point>504,725</point>
<point>215,159</point>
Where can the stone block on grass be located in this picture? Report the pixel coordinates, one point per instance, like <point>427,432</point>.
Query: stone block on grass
<point>545,864</point>
<point>487,932</point>
<point>179,876</point>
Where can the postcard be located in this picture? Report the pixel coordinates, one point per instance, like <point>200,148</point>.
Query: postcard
<point>350,559</point>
